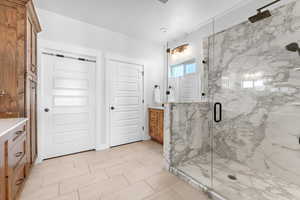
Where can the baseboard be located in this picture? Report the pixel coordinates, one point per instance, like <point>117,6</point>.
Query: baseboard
<point>147,137</point>
<point>102,147</point>
<point>38,161</point>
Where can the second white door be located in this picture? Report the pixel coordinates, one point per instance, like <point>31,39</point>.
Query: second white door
<point>126,102</point>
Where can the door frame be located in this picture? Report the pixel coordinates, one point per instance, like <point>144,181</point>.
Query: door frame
<point>108,94</point>
<point>49,46</point>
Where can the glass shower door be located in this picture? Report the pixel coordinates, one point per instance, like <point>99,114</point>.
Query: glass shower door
<point>191,117</point>
<point>254,83</point>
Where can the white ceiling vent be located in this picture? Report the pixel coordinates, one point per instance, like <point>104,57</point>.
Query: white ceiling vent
<point>163,1</point>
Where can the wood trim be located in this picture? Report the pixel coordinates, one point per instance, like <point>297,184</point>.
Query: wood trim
<point>2,171</point>
<point>32,14</point>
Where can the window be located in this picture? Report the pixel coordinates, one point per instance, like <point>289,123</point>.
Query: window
<point>177,71</point>
<point>190,68</point>
<point>183,69</point>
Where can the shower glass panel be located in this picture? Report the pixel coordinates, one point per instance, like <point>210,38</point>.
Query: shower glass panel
<point>190,113</point>
<point>254,87</point>
<point>186,70</point>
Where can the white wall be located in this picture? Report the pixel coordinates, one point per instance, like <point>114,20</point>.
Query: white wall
<point>67,31</point>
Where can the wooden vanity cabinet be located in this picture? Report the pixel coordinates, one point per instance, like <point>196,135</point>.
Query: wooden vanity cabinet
<point>156,124</point>
<point>15,161</point>
<point>19,26</point>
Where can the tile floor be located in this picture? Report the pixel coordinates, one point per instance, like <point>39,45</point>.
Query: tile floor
<point>130,172</point>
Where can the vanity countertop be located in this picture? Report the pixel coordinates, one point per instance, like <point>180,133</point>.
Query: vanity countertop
<point>156,107</point>
<point>6,125</point>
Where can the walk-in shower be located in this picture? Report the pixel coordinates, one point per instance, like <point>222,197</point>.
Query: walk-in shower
<point>233,123</point>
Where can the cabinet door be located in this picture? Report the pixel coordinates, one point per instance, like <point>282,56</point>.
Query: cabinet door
<point>160,127</point>
<point>8,62</point>
<point>152,123</point>
<point>33,121</point>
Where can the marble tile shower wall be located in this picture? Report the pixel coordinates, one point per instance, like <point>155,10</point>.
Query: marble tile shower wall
<point>190,131</point>
<point>258,83</point>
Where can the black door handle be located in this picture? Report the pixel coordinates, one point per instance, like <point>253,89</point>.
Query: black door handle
<point>219,119</point>
<point>46,109</point>
<point>112,108</point>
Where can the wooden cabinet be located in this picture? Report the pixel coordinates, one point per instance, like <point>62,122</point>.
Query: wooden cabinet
<point>156,124</point>
<point>19,27</point>
<point>32,29</point>
<point>11,59</point>
<point>13,158</point>
<point>15,161</point>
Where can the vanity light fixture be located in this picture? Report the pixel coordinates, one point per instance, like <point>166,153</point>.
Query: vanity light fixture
<point>179,49</point>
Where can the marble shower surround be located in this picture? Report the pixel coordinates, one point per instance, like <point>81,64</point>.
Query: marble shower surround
<point>192,119</point>
<point>191,160</point>
<point>258,82</point>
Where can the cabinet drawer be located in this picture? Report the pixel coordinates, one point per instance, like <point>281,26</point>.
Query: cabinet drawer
<point>18,134</point>
<point>17,152</point>
<point>18,179</point>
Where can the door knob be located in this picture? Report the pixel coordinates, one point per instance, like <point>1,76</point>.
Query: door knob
<point>46,109</point>
<point>112,108</point>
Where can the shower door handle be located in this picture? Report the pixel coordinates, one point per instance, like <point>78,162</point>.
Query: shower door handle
<point>218,112</point>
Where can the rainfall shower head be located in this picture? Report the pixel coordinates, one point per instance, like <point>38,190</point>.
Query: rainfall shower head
<point>260,16</point>
<point>293,47</point>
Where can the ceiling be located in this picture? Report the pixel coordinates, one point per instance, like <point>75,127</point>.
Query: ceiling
<point>143,19</point>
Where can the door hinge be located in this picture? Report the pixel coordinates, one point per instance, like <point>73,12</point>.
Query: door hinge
<point>143,128</point>
<point>82,59</point>
<point>143,101</point>
<point>60,55</point>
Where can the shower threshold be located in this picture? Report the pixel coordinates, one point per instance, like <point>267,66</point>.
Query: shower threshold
<point>247,184</point>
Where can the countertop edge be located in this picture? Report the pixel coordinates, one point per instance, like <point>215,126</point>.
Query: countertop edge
<point>23,120</point>
<point>156,108</point>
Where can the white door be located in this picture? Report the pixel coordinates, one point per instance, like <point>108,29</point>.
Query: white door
<point>126,102</point>
<point>69,105</point>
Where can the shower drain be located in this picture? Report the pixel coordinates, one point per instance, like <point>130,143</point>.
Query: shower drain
<point>232,177</point>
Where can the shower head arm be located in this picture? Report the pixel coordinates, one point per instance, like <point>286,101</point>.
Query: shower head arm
<point>260,9</point>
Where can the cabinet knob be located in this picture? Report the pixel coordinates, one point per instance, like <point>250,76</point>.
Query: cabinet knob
<point>112,108</point>
<point>20,181</point>
<point>19,154</point>
<point>46,109</point>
